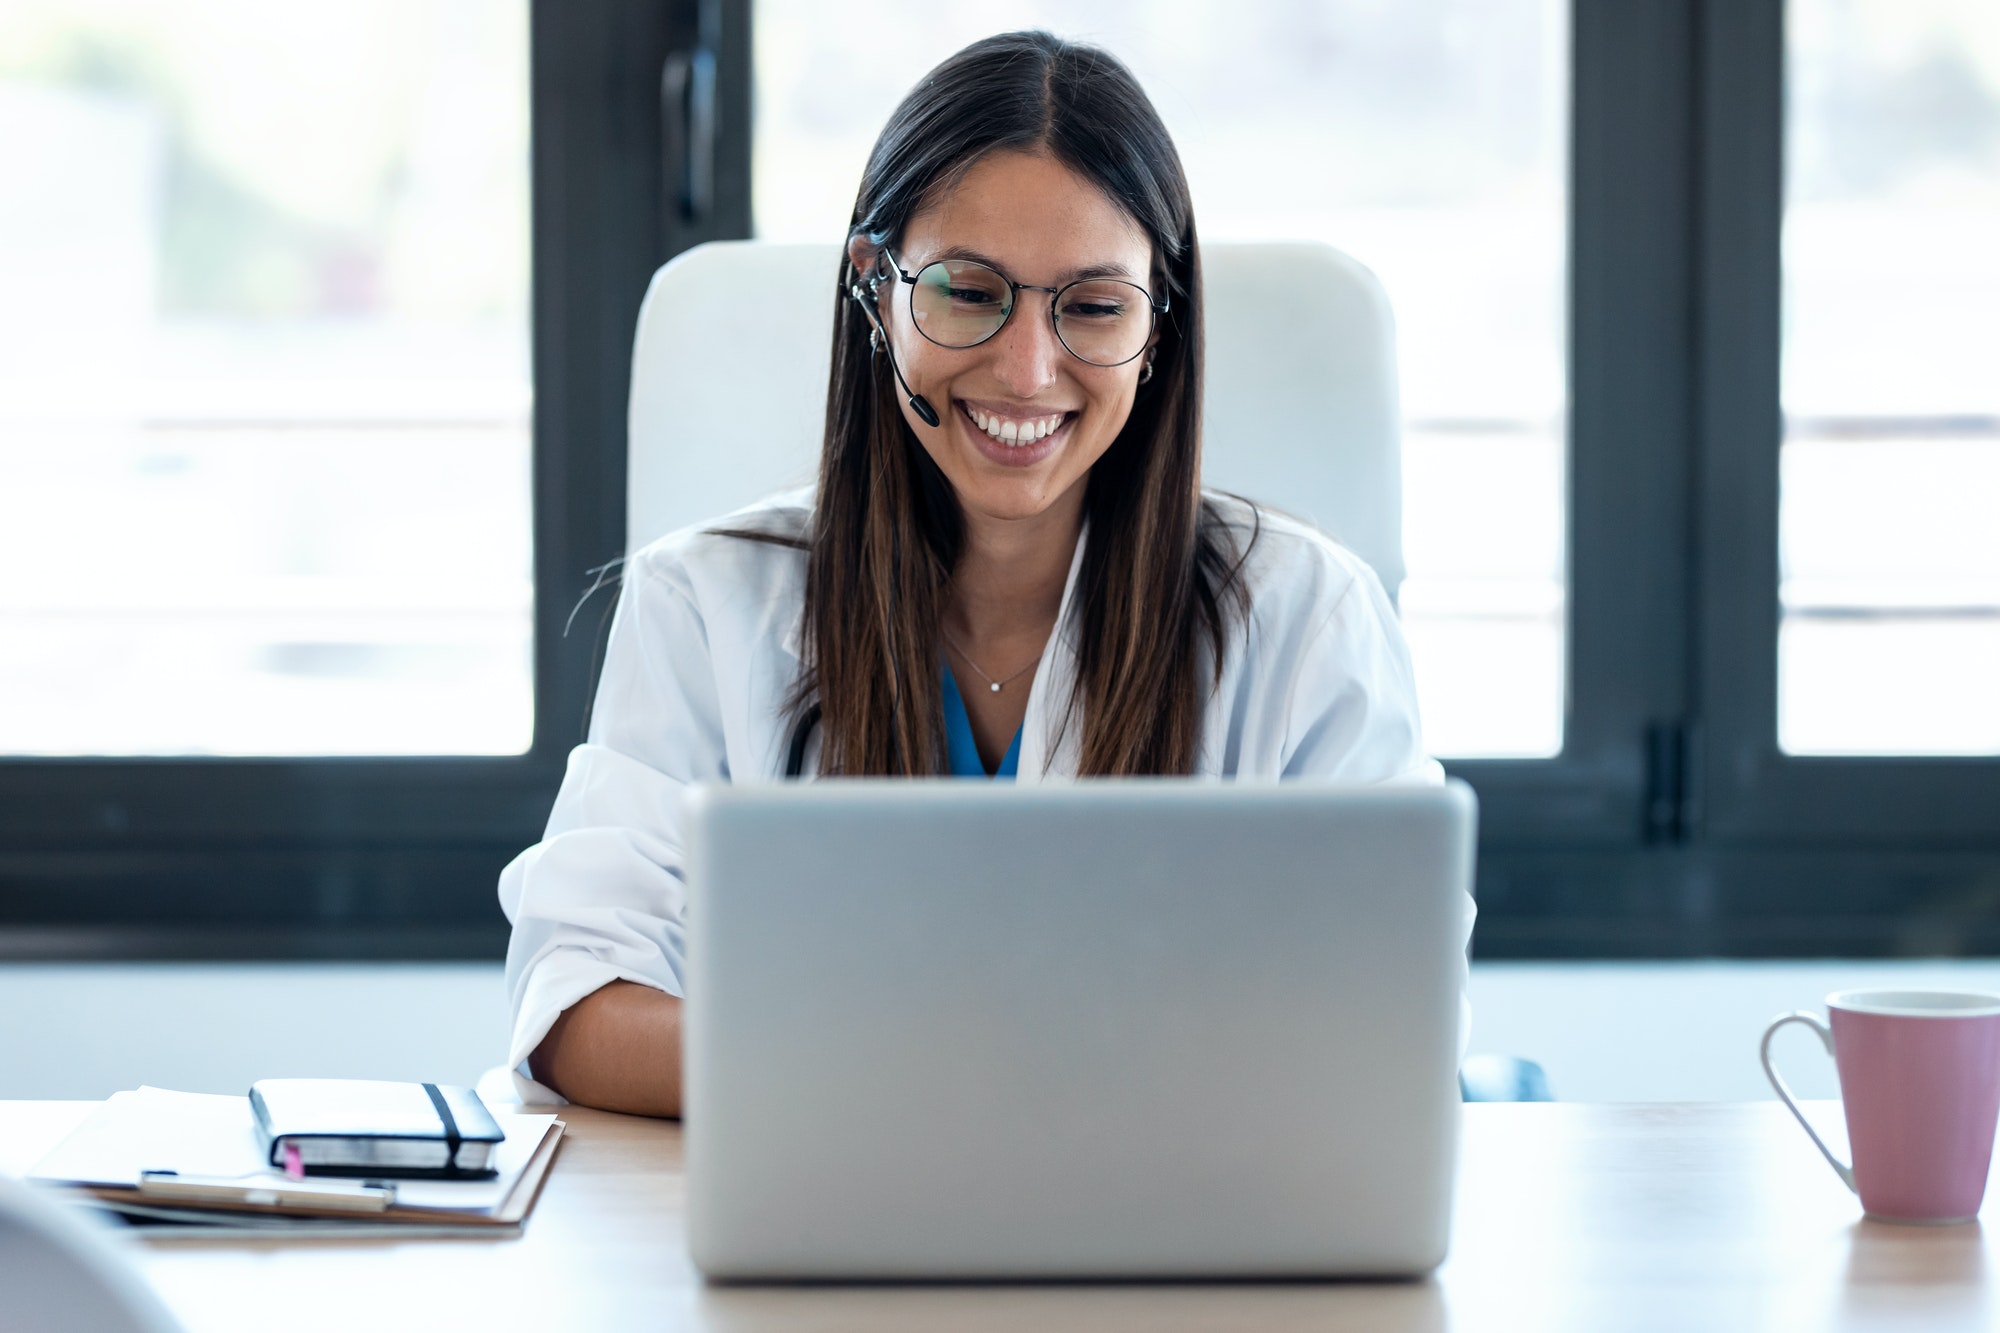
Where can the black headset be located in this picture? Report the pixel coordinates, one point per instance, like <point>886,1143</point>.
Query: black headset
<point>795,754</point>
<point>878,341</point>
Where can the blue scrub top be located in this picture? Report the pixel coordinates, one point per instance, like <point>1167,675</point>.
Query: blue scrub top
<point>961,750</point>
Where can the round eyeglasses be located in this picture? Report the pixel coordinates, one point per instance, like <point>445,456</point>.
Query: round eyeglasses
<point>961,303</point>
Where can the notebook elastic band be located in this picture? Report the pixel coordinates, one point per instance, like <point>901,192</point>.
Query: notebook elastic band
<point>450,1123</point>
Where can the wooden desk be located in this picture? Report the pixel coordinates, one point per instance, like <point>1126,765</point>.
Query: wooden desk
<point>1686,1218</point>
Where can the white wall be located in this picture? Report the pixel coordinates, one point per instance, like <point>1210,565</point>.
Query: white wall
<point>90,1029</point>
<point>1679,1031</point>
<point>1603,1031</point>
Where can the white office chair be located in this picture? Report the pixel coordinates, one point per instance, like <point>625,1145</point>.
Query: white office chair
<point>728,405</point>
<point>58,1274</point>
<point>729,374</point>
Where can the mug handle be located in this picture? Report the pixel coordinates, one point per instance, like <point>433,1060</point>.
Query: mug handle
<point>1845,1172</point>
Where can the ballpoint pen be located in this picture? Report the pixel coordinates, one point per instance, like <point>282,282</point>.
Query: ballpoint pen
<point>262,1191</point>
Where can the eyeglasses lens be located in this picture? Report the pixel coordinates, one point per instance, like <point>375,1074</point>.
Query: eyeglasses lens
<point>1103,322</point>
<point>958,303</point>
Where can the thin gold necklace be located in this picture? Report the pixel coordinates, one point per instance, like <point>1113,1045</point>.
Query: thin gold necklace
<point>991,684</point>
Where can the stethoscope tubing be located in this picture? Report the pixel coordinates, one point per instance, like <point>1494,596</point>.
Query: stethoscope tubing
<point>795,754</point>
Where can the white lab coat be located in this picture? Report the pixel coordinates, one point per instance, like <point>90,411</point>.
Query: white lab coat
<point>705,645</point>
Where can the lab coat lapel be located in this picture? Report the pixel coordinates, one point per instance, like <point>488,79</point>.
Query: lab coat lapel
<point>1045,756</point>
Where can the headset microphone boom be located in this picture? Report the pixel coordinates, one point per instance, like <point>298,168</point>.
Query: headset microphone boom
<point>879,337</point>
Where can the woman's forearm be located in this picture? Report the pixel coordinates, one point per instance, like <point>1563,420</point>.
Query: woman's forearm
<point>618,1049</point>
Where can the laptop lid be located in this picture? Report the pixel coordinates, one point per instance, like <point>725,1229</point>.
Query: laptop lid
<point>1134,1028</point>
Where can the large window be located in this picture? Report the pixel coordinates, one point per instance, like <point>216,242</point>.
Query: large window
<point>1427,140</point>
<point>1890,518</point>
<point>1695,317</point>
<point>264,379</point>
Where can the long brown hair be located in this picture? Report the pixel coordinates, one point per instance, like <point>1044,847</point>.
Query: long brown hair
<point>1160,583</point>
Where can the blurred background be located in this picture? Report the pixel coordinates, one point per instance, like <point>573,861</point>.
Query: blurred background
<point>310,412</point>
<point>264,379</point>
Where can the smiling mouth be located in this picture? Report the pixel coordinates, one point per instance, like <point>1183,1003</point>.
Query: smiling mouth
<point>1012,432</point>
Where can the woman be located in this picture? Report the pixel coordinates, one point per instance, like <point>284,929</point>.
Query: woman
<point>1007,567</point>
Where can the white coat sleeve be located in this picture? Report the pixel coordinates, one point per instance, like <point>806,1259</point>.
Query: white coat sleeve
<point>602,897</point>
<point>1353,718</point>
<point>1352,712</point>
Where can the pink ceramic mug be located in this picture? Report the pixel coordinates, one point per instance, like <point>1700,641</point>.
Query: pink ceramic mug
<point>1920,1082</point>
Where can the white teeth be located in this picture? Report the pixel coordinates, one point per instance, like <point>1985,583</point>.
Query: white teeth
<point>1015,432</point>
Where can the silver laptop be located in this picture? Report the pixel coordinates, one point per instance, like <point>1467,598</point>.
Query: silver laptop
<point>1116,1029</point>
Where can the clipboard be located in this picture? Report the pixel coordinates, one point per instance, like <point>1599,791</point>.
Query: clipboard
<point>191,1151</point>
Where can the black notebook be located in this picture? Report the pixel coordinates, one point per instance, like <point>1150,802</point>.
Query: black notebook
<point>361,1127</point>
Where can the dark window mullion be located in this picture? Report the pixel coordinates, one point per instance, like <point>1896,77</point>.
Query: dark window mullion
<point>1632,371</point>
<point>610,154</point>
<point>1742,110</point>
<point>1565,866</point>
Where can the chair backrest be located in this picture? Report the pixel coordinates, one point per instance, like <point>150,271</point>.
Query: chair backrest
<point>729,373</point>
<point>58,1274</point>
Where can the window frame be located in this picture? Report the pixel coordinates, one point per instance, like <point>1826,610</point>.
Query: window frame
<point>1669,825</point>
<point>1754,790</point>
<point>1738,850</point>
